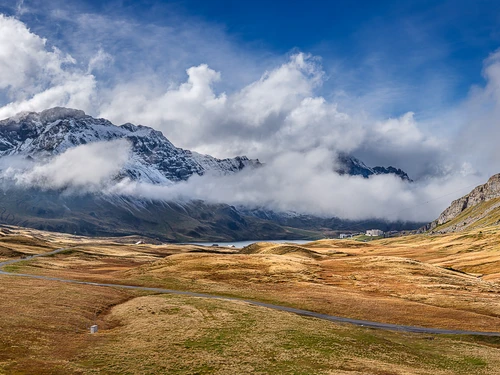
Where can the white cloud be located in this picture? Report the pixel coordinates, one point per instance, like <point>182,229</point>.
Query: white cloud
<point>181,111</point>
<point>314,123</point>
<point>277,92</point>
<point>476,141</point>
<point>402,132</point>
<point>193,115</point>
<point>76,92</point>
<point>99,61</point>
<point>35,78</point>
<point>21,8</point>
<point>277,113</point>
<point>84,168</point>
<point>402,143</point>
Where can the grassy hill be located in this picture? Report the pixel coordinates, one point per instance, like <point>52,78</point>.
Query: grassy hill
<point>440,280</point>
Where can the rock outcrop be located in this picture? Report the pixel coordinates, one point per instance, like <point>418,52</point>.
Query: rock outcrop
<point>483,193</point>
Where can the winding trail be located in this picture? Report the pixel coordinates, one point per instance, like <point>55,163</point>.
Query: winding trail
<point>312,314</point>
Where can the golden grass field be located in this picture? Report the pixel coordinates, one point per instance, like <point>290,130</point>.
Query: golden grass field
<point>443,281</point>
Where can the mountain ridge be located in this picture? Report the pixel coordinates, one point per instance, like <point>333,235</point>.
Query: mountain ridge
<point>154,158</point>
<point>355,167</point>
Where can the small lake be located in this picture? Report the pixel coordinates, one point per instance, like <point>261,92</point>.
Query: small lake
<point>241,244</point>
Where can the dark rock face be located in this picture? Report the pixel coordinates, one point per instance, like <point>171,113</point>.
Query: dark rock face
<point>355,167</point>
<point>391,170</point>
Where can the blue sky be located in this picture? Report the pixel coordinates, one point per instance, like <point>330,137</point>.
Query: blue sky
<point>408,44</point>
<point>420,55</point>
<point>413,84</point>
<point>387,57</point>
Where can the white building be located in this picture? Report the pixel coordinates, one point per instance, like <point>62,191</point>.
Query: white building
<point>345,235</point>
<point>374,232</point>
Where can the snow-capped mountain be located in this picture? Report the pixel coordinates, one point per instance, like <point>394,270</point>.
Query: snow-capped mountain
<point>38,137</point>
<point>154,158</point>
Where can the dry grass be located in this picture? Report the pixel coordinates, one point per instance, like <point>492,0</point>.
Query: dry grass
<point>445,281</point>
<point>280,249</point>
<point>177,335</point>
<point>476,252</point>
<point>44,324</point>
<point>45,331</point>
<point>402,281</point>
<point>18,243</point>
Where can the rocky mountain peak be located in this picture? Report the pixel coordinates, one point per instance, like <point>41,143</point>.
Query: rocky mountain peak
<point>350,165</point>
<point>154,159</point>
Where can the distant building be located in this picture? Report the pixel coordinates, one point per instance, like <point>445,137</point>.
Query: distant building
<point>374,232</point>
<point>345,235</point>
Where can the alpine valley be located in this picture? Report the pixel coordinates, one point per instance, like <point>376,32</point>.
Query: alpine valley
<point>33,138</point>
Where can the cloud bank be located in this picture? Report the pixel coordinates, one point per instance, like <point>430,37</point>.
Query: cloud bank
<point>33,76</point>
<point>306,184</point>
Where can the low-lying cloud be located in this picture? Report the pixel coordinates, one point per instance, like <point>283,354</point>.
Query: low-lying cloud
<point>300,182</point>
<point>307,184</point>
<point>86,168</point>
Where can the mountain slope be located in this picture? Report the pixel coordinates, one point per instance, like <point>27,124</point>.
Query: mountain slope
<point>104,215</point>
<point>330,225</point>
<point>481,207</point>
<point>153,159</point>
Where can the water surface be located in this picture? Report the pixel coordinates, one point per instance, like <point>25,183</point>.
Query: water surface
<point>241,244</point>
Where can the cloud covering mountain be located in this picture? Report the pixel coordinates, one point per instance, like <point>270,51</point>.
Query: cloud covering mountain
<point>67,151</point>
<point>279,115</point>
